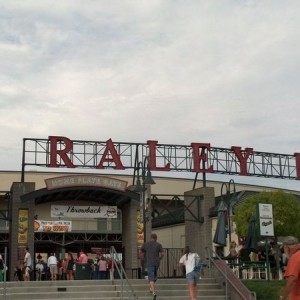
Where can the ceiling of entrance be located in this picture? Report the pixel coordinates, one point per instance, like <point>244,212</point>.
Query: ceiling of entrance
<point>101,195</point>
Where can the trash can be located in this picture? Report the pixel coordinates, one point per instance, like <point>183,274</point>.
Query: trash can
<point>116,274</point>
<point>83,272</point>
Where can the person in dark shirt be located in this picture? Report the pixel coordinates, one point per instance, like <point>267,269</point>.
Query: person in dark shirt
<point>153,252</point>
<point>244,254</point>
<point>18,274</point>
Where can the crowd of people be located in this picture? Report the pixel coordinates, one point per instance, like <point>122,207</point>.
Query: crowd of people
<point>152,252</point>
<point>101,267</point>
<point>274,254</point>
<point>60,269</point>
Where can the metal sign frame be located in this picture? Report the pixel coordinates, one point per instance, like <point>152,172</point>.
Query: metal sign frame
<point>179,158</point>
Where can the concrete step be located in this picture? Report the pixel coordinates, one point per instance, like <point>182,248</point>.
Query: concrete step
<point>175,288</point>
<point>100,282</point>
<point>199,297</point>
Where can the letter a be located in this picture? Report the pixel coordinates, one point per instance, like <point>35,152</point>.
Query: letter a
<point>114,154</point>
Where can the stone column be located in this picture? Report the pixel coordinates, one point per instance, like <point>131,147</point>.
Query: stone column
<point>17,190</point>
<point>129,235</point>
<point>198,232</point>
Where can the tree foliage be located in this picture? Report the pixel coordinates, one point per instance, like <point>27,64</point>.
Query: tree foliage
<point>286,213</point>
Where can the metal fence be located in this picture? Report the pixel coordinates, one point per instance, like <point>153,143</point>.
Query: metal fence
<point>169,264</point>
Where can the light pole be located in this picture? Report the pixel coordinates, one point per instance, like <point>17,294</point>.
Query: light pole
<point>227,199</point>
<point>147,179</point>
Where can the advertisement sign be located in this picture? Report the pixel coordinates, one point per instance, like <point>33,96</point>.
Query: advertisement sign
<point>23,226</point>
<point>140,228</point>
<point>85,180</point>
<point>72,211</point>
<point>265,217</point>
<point>52,226</point>
<point>99,251</point>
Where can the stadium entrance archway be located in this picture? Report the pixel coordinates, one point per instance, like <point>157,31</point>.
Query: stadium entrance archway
<point>76,190</point>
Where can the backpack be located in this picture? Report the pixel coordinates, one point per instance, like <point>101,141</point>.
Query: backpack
<point>198,263</point>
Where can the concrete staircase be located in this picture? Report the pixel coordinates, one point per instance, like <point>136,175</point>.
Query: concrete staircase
<point>167,289</point>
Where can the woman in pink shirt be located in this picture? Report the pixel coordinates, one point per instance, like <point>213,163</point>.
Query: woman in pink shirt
<point>82,259</point>
<point>102,264</point>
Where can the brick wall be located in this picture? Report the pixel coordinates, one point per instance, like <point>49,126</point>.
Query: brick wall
<point>198,232</point>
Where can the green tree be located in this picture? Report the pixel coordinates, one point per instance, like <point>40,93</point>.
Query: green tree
<point>286,213</point>
<point>286,217</point>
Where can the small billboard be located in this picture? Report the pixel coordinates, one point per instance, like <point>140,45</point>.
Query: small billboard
<point>265,217</point>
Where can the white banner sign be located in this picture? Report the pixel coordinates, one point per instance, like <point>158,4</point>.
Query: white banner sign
<point>52,226</point>
<point>266,224</point>
<point>71,211</point>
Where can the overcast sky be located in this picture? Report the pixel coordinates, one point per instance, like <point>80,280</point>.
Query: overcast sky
<point>175,71</point>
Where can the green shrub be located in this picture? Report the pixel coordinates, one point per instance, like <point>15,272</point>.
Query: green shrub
<point>265,289</point>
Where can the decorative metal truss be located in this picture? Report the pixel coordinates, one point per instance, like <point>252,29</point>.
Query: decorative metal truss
<point>170,209</point>
<point>88,154</point>
<point>68,238</point>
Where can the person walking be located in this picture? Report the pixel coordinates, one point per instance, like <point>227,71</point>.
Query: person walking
<point>52,265</point>
<point>2,269</point>
<point>291,289</point>
<point>191,262</point>
<point>110,270</point>
<point>39,270</point>
<point>82,258</point>
<point>18,273</point>
<point>27,264</point>
<point>153,253</point>
<point>70,266</point>
<point>232,250</point>
<point>102,268</point>
<point>64,269</point>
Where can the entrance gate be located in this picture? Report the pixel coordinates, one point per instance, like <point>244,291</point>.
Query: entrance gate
<point>117,232</point>
<point>169,264</point>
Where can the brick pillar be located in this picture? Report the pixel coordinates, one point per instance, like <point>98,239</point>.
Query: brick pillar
<point>17,190</point>
<point>198,234</point>
<point>129,235</point>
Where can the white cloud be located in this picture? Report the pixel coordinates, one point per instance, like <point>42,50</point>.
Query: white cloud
<point>175,71</point>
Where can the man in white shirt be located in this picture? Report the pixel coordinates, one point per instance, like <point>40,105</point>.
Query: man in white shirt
<point>27,265</point>
<point>52,265</point>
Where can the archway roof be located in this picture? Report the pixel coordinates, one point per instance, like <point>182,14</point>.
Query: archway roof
<point>97,194</point>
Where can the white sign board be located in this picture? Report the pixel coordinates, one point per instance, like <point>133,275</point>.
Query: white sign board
<point>266,223</point>
<point>72,211</point>
<point>52,226</point>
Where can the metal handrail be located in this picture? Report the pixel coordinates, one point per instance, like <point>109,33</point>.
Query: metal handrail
<point>212,258</point>
<point>117,265</point>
